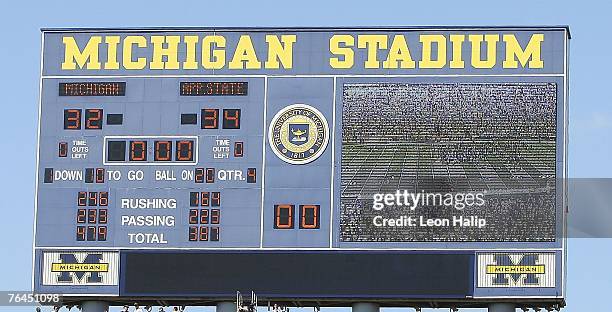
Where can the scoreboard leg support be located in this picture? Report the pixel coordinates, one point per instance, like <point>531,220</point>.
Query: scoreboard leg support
<point>502,307</point>
<point>226,307</point>
<point>94,306</point>
<point>365,307</point>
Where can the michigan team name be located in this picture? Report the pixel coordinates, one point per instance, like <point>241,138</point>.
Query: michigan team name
<point>345,51</point>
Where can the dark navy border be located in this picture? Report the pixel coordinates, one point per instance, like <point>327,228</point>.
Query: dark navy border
<point>469,295</point>
<point>298,28</point>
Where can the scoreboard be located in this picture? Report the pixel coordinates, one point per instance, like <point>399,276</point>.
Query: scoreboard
<point>313,165</point>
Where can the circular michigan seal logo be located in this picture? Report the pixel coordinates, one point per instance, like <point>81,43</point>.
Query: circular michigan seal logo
<point>298,134</point>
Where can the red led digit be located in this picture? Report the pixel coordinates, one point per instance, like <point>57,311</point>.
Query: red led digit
<point>193,216</point>
<point>238,149</point>
<point>283,216</point>
<point>214,233</point>
<point>103,199</point>
<point>163,151</point>
<point>93,118</point>
<point>92,215</point>
<point>251,175</point>
<point>193,233</point>
<point>199,175</point>
<point>80,233</point>
<point>91,233</point>
<point>72,119</point>
<point>216,199</point>
<point>102,233</point>
<point>210,118</point>
<point>81,216</point>
<point>231,119</point>
<point>138,150</point>
<point>204,233</point>
<point>210,175</point>
<point>82,199</point>
<point>103,216</point>
<point>93,199</point>
<point>309,216</point>
<point>99,175</point>
<point>184,150</point>
<point>204,219</point>
<point>205,202</point>
<point>194,199</point>
<point>63,149</point>
<point>215,216</point>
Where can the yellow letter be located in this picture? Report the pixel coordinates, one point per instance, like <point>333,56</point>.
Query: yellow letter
<point>128,44</point>
<point>533,49</point>
<point>245,53</point>
<point>372,43</point>
<point>89,54</point>
<point>399,52</point>
<point>217,60</point>
<point>278,51</point>
<point>171,52</point>
<point>426,61</point>
<point>491,40</point>
<point>334,48</point>
<point>190,58</point>
<point>111,56</point>
<point>457,61</point>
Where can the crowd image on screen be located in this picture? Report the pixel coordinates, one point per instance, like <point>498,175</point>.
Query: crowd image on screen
<point>498,138</point>
<point>422,113</point>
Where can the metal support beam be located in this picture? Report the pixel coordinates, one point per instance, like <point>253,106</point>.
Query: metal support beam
<point>94,306</point>
<point>502,307</point>
<point>365,307</point>
<point>227,306</point>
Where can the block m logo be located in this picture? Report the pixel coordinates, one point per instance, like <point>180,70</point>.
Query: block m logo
<point>525,268</point>
<point>70,268</point>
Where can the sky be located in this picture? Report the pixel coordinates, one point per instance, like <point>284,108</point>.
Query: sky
<point>590,150</point>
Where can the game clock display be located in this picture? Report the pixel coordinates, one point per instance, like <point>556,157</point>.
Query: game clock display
<point>138,149</point>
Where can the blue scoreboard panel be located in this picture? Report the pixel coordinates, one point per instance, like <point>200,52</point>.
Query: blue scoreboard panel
<point>315,165</point>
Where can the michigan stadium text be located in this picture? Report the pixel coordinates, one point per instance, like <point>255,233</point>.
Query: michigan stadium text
<point>214,52</point>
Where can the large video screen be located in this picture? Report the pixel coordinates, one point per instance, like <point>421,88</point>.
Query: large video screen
<point>448,162</point>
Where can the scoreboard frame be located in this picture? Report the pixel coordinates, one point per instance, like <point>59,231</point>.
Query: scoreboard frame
<point>119,294</point>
